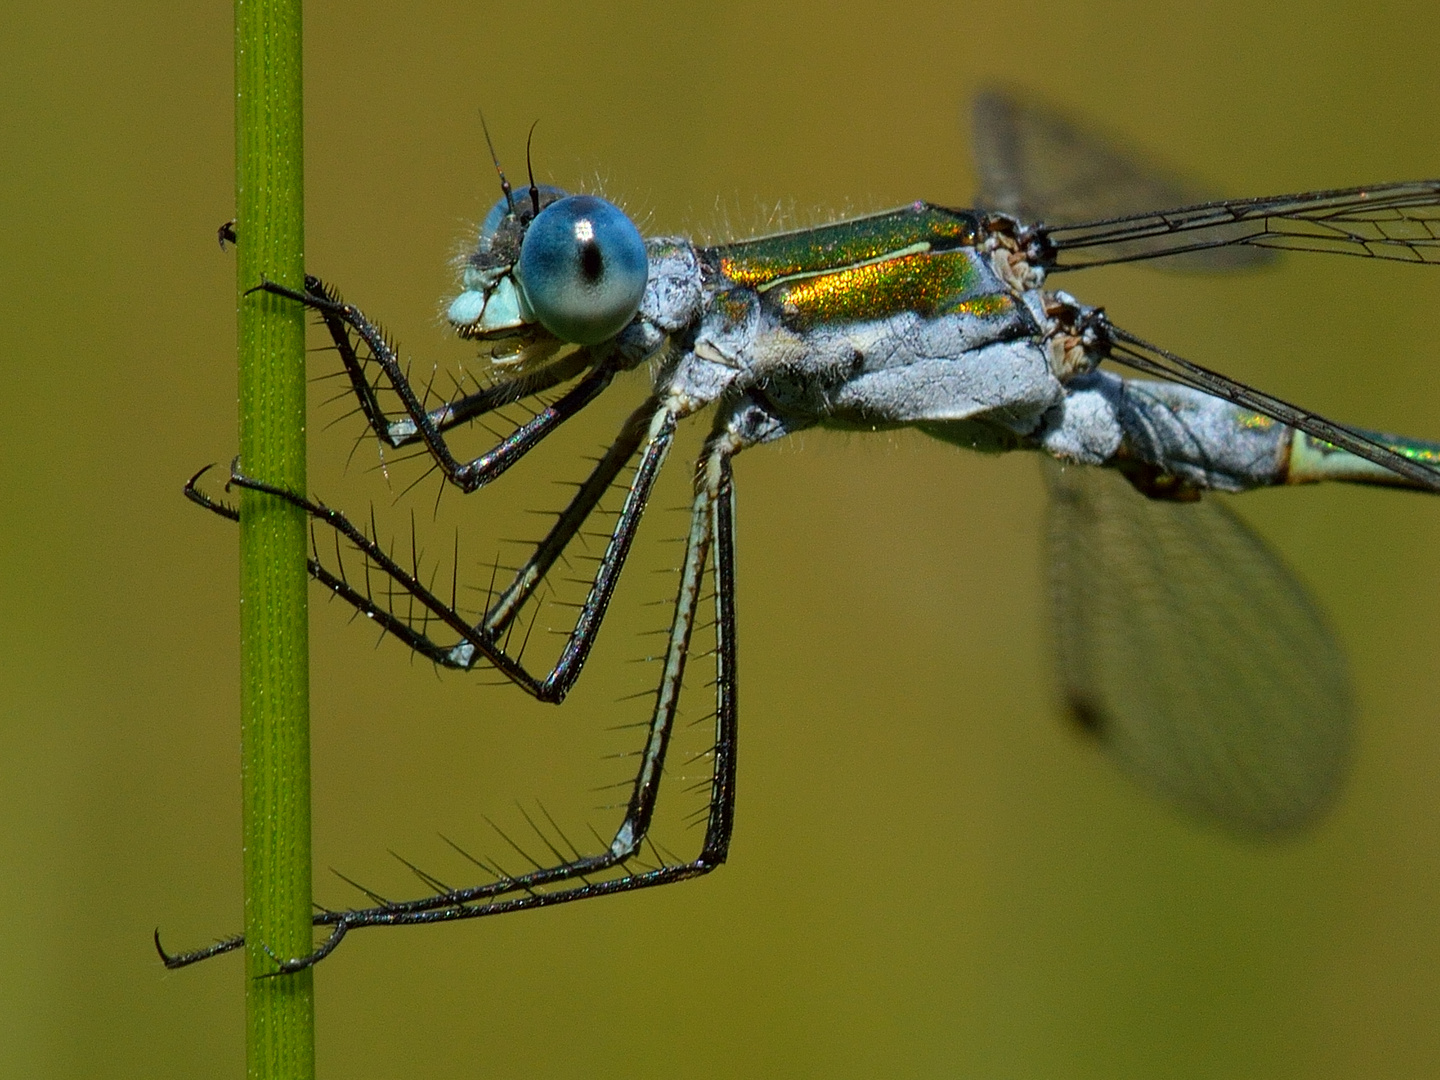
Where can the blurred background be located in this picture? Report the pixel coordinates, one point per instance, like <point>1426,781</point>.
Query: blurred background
<point>931,875</point>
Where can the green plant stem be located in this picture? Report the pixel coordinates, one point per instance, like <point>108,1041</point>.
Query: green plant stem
<point>274,650</point>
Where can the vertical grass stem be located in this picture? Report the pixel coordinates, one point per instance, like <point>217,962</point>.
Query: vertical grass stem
<point>269,194</point>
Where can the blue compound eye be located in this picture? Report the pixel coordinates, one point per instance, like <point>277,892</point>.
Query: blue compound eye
<point>582,269</point>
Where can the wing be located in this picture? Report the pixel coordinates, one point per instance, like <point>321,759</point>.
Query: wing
<point>1193,656</point>
<point>1038,165</point>
<point>1398,221</point>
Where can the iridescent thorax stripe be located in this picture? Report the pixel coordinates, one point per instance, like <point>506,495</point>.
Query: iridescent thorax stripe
<point>762,263</point>
<point>928,284</point>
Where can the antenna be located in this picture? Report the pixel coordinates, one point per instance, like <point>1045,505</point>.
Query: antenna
<point>504,184</point>
<point>534,191</point>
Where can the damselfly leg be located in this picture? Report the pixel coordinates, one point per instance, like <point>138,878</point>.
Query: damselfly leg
<point>575,876</point>
<point>347,325</point>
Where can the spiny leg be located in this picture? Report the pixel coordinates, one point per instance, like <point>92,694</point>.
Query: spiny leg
<point>607,574</point>
<point>653,424</point>
<point>398,433</point>
<point>528,577</point>
<point>338,584</point>
<point>383,561</point>
<point>712,527</point>
<point>341,319</point>
<point>427,425</point>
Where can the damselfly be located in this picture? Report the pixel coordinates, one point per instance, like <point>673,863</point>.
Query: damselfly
<point>1182,642</point>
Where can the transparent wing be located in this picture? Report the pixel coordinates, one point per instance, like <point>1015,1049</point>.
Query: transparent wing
<point>1193,656</point>
<point>1039,165</point>
<point>1399,221</point>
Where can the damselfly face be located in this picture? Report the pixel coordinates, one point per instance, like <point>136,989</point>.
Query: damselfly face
<point>547,265</point>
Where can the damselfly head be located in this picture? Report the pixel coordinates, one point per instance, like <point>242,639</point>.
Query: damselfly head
<point>576,269</point>
<point>489,305</point>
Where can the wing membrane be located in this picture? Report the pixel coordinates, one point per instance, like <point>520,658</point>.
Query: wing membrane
<point>1399,221</point>
<point>1196,660</point>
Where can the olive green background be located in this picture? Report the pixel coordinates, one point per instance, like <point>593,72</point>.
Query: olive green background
<point>931,876</point>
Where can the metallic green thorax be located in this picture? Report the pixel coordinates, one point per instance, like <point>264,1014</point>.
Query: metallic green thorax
<point>920,258</point>
<point>763,262</point>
